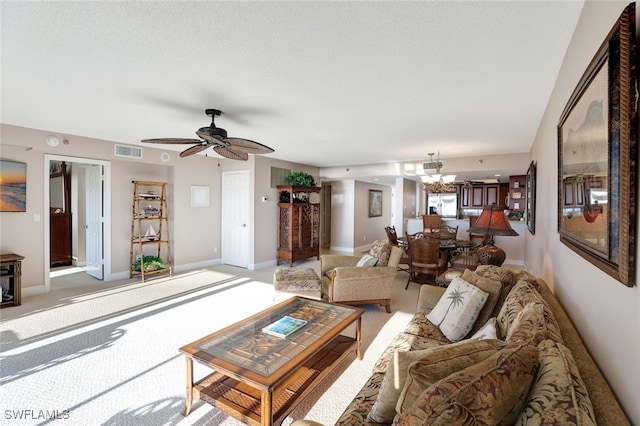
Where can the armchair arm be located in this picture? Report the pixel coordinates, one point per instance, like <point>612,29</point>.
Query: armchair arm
<point>330,261</point>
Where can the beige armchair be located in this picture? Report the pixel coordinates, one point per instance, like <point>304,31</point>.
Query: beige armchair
<point>354,285</point>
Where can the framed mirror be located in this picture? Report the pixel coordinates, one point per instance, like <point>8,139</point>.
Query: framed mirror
<point>58,188</point>
<point>597,137</point>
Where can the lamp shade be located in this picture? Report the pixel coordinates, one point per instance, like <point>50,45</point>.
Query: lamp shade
<point>493,221</point>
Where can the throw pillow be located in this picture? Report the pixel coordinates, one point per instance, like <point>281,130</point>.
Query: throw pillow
<point>458,308</point>
<point>384,409</point>
<point>367,260</point>
<point>492,391</point>
<point>529,325</point>
<point>489,286</point>
<point>381,250</point>
<point>558,395</point>
<point>487,331</point>
<point>440,362</point>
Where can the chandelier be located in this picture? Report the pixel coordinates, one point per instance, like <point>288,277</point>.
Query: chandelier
<point>436,183</point>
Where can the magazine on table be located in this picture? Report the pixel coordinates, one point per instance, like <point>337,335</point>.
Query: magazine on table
<point>284,326</point>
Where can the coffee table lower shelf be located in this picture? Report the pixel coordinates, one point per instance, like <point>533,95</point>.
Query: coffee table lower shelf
<point>244,402</point>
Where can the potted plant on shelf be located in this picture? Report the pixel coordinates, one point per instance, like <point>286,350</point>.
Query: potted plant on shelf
<point>149,263</point>
<point>300,179</point>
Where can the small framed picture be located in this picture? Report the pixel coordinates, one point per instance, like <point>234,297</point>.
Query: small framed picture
<point>375,203</point>
<point>199,196</point>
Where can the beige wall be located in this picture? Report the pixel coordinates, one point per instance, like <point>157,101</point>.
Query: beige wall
<point>342,215</point>
<point>368,229</point>
<point>606,313</point>
<point>196,231</point>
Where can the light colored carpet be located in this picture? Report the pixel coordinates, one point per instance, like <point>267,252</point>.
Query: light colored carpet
<point>100,353</point>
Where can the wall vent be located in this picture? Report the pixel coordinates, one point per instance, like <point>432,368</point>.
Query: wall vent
<point>431,165</point>
<point>277,176</point>
<point>127,151</point>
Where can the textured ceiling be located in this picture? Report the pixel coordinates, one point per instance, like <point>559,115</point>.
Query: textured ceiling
<point>323,83</point>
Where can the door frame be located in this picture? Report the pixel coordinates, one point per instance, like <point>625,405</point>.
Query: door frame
<point>106,208</point>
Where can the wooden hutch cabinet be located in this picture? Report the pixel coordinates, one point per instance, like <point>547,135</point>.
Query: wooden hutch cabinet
<point>298,223</point>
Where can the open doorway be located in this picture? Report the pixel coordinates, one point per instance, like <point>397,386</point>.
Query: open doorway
<point>87,200</point>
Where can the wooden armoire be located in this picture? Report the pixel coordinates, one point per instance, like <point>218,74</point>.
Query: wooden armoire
<point>298,223</point>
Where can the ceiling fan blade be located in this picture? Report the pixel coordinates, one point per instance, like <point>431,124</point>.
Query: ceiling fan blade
<point>248,146</point>
<point>211,136</point>
<point>194,150</point>
<point>231,153</point>
<point>176,141</point>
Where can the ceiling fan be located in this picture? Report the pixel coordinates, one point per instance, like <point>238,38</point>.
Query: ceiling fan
<point>216,137</point>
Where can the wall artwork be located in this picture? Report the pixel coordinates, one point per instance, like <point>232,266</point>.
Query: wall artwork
<point>597,137</point>
<point>375,203</point>
<point>13,186</point>
<point>200,196</point>
<point>530,207</point>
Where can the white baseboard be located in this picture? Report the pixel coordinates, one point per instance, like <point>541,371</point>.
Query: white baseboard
<point>342,249</point>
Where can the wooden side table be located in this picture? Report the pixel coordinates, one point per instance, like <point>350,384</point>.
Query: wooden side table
<point>10,272</point>
<point>443,281</point>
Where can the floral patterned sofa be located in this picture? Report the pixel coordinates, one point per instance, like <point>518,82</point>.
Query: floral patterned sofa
<point>534,370</point>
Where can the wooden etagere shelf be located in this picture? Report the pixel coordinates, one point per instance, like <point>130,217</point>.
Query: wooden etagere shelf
<point>150,229</point>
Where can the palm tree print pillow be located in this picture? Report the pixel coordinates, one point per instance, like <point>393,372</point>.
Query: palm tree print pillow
<point>458,308</point>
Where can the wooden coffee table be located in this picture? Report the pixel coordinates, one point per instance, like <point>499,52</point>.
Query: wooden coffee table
<point>258,378</point>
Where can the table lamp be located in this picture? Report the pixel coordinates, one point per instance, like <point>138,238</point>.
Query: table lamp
<point>492,222</point>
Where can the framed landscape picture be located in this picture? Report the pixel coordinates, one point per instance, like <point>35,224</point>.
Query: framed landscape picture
<point>375,203</point>
<point>13,186</point>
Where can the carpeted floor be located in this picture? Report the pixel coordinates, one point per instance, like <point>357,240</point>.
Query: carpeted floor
<point>96,353</point>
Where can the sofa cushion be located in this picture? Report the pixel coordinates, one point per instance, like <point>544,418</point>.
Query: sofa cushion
<point>382,251</point>
<point>403,342</point>
<point>492,391</point>
<point>558,395</point>
<point>458,308</point>
<point>508,277</point>
<point>493,289</point>
<point>440,362</point>
<point>356,412</point>
<point>522,294</point>
<point>367,260</point>
<point>421,326</point>
<point>529,325</point>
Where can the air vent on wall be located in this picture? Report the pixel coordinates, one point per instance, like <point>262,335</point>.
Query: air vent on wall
<point>127,151</point>
<point>431,165</point>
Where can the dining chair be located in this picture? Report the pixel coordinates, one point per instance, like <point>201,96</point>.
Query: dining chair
<point>464,259</point>
<point>425,259</point>
<point>431,222</point>
<point>448,232</point>
<point>392,236</point>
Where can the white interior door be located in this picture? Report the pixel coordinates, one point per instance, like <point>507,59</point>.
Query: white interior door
<point>94,222</point>
<point>235,218</point>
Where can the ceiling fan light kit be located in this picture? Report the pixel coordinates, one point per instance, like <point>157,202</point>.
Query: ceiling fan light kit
<point>216,138</point>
